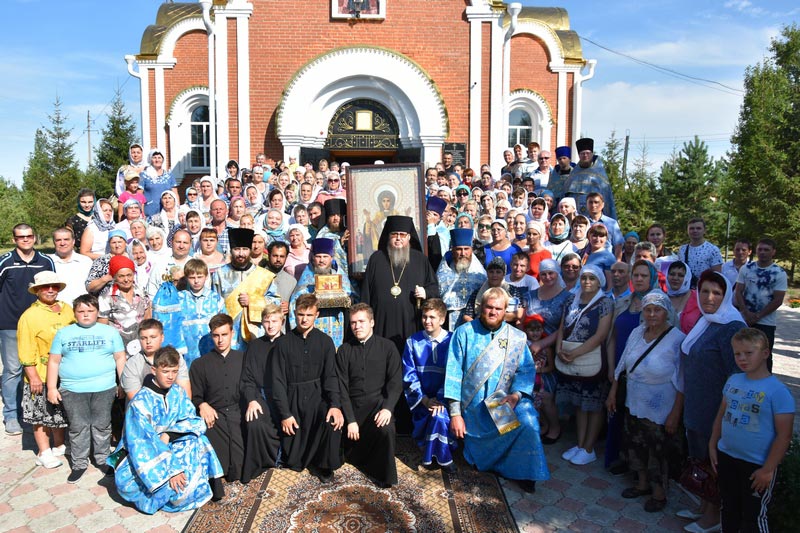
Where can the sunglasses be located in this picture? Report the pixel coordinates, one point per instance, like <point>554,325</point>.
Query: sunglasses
<point>54,286</point>
<point>20,237</point>
<point>462,193</point>
<point>484,226</point>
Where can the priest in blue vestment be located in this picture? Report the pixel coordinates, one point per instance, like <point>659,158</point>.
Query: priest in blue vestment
<point>489,384</point>
<point>164,460</point>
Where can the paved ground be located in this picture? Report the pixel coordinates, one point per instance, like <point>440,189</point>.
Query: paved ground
<point>584,499</point>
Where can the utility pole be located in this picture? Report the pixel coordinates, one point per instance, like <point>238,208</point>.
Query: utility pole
<point>625,158</point>
<point>89,138</point>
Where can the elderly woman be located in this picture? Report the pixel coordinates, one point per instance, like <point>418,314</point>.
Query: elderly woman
<point>558,237</point>
<point>138,230</point>
<point>168,218</point>
<point>99,280</point>
<point>654,400</point>
<point>583,332</point>
<point>570,271</point>
<point>274,225</point>
<point>580,226</point>
<point>483,236</point>
<point>500,246</point>
<point>297,259</point>
<point>536,249</point>
<point>35,331</point>
<point>95,236</point>
<point>137,251</point>
<point>682,296</point>
<point>125,305</point>
<point>707,363</point>
<point>81,219</point>
<point>548,302</point>
<point>627,316</point>
<point>631,240</point>
<point>157,241</point>
<point>156,179</point>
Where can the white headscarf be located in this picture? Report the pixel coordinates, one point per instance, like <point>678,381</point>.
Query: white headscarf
<point>575,311</point>
<point>725,313</point>
<point>687,280</point>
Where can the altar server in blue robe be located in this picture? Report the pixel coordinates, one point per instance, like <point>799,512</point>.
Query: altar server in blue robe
<point>489,383</point>
<point>164,460</point>
<point>424,361</point>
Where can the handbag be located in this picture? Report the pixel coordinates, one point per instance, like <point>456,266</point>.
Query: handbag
<point>622,380</point>
<point>700,479</point>
<point>586,366</point>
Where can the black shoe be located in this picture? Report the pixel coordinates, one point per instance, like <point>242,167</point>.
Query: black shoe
<point>450,469</point>
<point>108,471</point>
<point>635,492</point>
<point>551,440</point>
<point>76,475</point>
<point>383,484</point>
<point>527,485</point>
<point>618,468</point>
<point>217,489</point>
<point>325,475</point>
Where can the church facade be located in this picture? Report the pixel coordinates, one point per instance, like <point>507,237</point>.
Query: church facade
<point>356,80</point>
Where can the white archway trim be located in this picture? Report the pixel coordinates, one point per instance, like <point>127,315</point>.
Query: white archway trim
<point>179,121</point>
<point>539,110</point>
<point>167,50</point>
<point>546,34</point>
<point>361,72</point>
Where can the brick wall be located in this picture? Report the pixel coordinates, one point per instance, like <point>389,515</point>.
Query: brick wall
<point>529,70</point>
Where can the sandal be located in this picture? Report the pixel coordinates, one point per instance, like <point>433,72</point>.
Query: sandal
<point>634,492</point>
<point>652,505</point>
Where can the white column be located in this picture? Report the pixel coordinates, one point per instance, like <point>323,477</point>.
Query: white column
<point>223,113</point>
<point>145,103</point>
<point>243,85</point>
<point>161,133</point>
<point>561,120</point>
<point>476,15</point>
<point>432,149</point>
<point>497,134</point>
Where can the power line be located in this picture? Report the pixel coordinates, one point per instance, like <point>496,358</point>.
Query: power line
<point>103,111</point>
<point>703,82</point>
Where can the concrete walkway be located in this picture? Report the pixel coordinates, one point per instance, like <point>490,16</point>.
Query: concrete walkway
<point>584,499</point>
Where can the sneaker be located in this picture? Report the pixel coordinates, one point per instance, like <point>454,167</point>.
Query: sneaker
<point>59,451</point>
<point>48,460</point>
<point>688,514</point>
<point>582,457</point>
<point>76,475</point>
<point>12,427</point>
<point>569,454</point>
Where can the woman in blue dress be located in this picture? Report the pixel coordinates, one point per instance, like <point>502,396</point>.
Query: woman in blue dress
<point>154,180</point>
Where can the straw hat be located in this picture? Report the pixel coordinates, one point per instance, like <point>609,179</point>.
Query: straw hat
<point>45,278</point>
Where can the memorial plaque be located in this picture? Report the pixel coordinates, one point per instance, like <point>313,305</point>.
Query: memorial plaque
<point>459,151</point>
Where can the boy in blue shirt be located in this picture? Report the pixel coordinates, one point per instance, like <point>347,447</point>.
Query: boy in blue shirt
<point>751,434</point>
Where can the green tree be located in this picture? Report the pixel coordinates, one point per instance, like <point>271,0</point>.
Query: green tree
<point>688,186</point>
<point>52,177</point>
<point>764,188</point>
<point>117,136</point>
<point>13,209</point>
<point>612,161</point>
<point>634,199</point>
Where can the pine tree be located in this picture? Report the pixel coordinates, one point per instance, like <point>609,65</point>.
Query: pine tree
<point>117,136</point>
<point>13,209</point>
<point>635,200</point>
<point>764,189</point>
<point>52,177</point>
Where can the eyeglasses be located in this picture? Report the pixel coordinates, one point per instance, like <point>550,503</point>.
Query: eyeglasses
<point>334,181</point>
<point>498,229</point>
<point>21,237</point>
<point>462,193</point>
<point>484,226</point>
<point>191,194</point>
<point>571,267</point>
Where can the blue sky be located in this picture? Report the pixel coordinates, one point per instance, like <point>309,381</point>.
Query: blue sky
<point>74,50</point>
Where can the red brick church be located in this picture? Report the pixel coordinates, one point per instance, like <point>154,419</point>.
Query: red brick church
<point>356,80</point>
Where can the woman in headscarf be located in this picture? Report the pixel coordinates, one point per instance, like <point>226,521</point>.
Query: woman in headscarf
<point>682,296</point>
<point>464,221</point>
<point>583,332</point>
<point>78,222</point>
<point>259,183</point>
<point>708,361</point>
<point>570,271</point>
<point>627,317</point>
<point>254,201</point>
<point>139,230</point>
<point>157,241</point>
<point>137,251</point>
<point>208,194</point>
<point>654,400</point>
<point>558,237</point>
<point>95,235</point>
<point>536,249</point>
<point>168,219</point>
<point>568,208</point>
<point>463,196</point>
<point>155,179</point>
<point>483,237</point>
<point>631,240</point>
<point>192,198</point>
<point>539,211</point>
<point>548,302</point>
<point>274,225</point>
<point>297,259</point>
<point>236,210</point>
<point>580,227</point>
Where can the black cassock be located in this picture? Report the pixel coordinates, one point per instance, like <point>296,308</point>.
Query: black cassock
<point>215,380</point>
<point>305,386</point>
<point>262,435</point>
<point>370,379</point>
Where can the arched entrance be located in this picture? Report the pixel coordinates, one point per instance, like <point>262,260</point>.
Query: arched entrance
<point>362,73</point>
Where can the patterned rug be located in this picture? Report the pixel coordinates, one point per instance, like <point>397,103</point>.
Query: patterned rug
<point>422,501</point>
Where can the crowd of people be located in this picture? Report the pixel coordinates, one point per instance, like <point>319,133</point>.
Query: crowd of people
<point>219,336</point>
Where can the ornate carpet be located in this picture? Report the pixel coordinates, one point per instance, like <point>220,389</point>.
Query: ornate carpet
<point>422,501</point>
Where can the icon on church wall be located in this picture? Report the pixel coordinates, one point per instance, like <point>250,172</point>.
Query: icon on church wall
<point>365,9</point>
<point>375,192</point>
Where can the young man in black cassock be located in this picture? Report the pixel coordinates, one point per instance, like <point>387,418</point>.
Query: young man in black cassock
<point>398,276</point>
<point>305,391</point>
<point>261,421</point>
<point>215,392</point>
<point>370,381</point>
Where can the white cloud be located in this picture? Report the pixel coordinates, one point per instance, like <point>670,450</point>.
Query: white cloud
<point>666,115</point>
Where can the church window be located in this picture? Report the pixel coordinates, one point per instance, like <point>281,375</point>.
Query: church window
<point>200,145</point>
<point>519,127</point>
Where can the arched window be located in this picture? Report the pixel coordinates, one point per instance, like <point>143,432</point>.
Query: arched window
<point>200,140</point>
<point>519,127</point>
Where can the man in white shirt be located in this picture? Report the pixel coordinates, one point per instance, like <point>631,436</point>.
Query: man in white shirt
<point>71,266</point>
<point>699,254</point>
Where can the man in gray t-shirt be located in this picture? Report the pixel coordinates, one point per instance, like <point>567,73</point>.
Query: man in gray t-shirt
<point>151,336</point>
